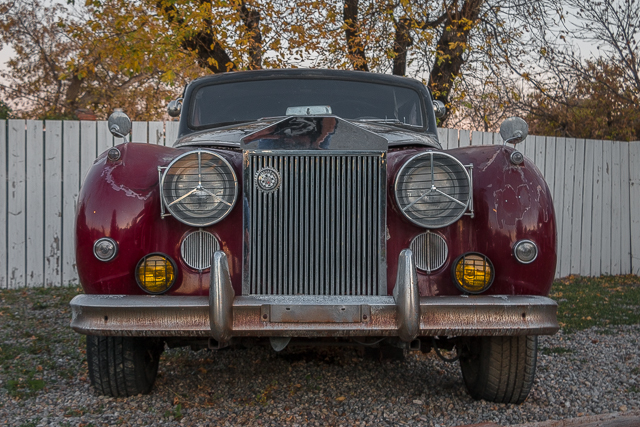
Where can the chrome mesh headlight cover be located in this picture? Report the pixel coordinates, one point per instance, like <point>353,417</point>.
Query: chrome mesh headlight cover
<point>198,248</point>
<point>430,251</point>
<point>433,189</point>
<point>199,188</point>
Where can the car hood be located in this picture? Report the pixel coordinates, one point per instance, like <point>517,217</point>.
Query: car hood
<point>233,135</point>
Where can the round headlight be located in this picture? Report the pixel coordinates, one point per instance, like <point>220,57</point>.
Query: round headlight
<point>525,251</point>
<point>432,189</point>
<point>156,273</point>
<point>105,249</point>
<point>473,273</point>
<point>199,188</point>
<point>198,248</point>
<point>430,251</point>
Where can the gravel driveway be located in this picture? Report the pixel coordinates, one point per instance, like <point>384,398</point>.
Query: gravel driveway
<point>44,381</point>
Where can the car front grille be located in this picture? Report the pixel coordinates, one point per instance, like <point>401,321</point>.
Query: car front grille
<point>321,231</point>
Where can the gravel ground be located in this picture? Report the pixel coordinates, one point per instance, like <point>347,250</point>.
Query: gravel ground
<point>44,381</point>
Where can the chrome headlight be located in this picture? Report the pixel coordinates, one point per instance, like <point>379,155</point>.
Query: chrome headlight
<point>525,251</point>
<point>433,190</point>
<point>199,188</point>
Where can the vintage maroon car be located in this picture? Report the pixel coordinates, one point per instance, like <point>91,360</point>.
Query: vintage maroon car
<point>312,206</point>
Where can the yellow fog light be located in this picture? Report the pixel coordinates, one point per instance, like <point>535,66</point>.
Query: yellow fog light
<point>473,273</point>
<point>156,273</point>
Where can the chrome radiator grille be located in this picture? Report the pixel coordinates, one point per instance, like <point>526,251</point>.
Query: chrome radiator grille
<point>322,230</point>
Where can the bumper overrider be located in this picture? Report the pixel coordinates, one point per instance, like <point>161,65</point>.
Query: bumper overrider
<point>223,315</point>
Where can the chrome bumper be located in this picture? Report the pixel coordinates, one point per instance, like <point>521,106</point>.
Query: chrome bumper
<point>223,315</point>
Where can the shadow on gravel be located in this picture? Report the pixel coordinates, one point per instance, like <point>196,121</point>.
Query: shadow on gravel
<point>44,381</point>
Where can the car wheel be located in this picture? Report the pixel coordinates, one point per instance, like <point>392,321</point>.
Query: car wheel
<point>499,369</point>
<point>123,366</point>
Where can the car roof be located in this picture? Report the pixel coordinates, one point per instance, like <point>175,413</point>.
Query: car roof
<point>319,73</point>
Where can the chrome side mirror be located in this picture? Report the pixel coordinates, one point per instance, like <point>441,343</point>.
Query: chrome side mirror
<point>439,108</point>
<point>175,107</point>
<point>119,123</point>
<point>514,130</point>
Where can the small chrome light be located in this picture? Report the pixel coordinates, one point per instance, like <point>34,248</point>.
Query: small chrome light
<point>430,251</point>
<point>105,249</point>
<point>113,154</point>
<point>473,273</point>
<point>198,248</point>
<point>517,158</point>
<point>156,273</point>
<point>525,251</point>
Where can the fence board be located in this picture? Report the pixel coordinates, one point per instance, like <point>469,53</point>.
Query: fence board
<point>616,217</point>
<point>634,179</point>
<point>16,180</point>
<point>156,133</point>
<point>625,197</point>
<point>577,205</point>
<point>476,138</point>
<point>3,205</point>
<point>70,187</point>
<point>540,152</point>
<point>567,204</point>
<point>558,196</point>
<point>464,138</point>
<point>442,138</point>
<point>87,147</point>
<point>53,204</point>
<point>452,138</point>
<point>587,210</point>
<point>104,137</point>
<point>487,138</point>
<point>605,260</point>
<point>596,222</point>
<point>34,204</point>
<point>139,132</point>
<point>527,147</point>
<point>171,133</point>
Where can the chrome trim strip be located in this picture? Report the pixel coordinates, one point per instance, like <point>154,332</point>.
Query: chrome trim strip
<point>183,316</point>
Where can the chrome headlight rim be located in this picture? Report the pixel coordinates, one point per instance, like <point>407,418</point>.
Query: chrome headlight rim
<point>109,240</point>
<point>400,173</point>
<point>177,215</point>
<point>520,243</point>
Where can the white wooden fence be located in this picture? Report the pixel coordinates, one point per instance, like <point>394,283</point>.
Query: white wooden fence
<point>595,187</point>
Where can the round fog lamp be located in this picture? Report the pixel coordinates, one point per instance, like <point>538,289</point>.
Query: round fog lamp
<point>525,251</point>
<point>473,273</point>
<point>156,273</point>
<point>105,249</point>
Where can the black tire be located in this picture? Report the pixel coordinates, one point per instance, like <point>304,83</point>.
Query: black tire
<point>499,369</point>
<point>123,366</point>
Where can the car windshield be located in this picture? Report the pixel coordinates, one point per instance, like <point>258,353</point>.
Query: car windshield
<point>221,104</point>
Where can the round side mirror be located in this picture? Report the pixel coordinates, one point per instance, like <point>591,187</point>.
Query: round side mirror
<point>439,108</point>
<point>514,130</point>
<point>175,107</point>
<point>119,123</point>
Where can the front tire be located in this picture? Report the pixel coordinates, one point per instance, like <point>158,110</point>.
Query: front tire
<point>123,366</point>
<point>499,369</point>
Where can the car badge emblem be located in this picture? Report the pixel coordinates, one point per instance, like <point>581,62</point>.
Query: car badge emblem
<point>267,180</point>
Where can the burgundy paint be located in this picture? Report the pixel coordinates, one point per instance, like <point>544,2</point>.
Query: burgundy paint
<point>511,203</point>
<point>121,200</point>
